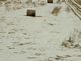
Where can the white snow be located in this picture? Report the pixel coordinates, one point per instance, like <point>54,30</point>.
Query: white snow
<point>25,38</point>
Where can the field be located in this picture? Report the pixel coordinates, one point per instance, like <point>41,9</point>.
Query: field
<point>54,34</point>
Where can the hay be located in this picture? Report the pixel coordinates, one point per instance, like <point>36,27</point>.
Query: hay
<point>56,11</point>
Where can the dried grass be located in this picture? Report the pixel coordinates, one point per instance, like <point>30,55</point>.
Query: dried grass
<point>56,11</point>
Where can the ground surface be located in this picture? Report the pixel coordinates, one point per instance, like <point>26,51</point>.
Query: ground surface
<point>24,38</point>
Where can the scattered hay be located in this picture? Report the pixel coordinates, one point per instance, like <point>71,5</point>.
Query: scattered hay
<point>73,41</point>
<point>56,11</point>
<point>29,1</point>
<point>41,3</point>
<point>78,1</point>
<point>13,5</point>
